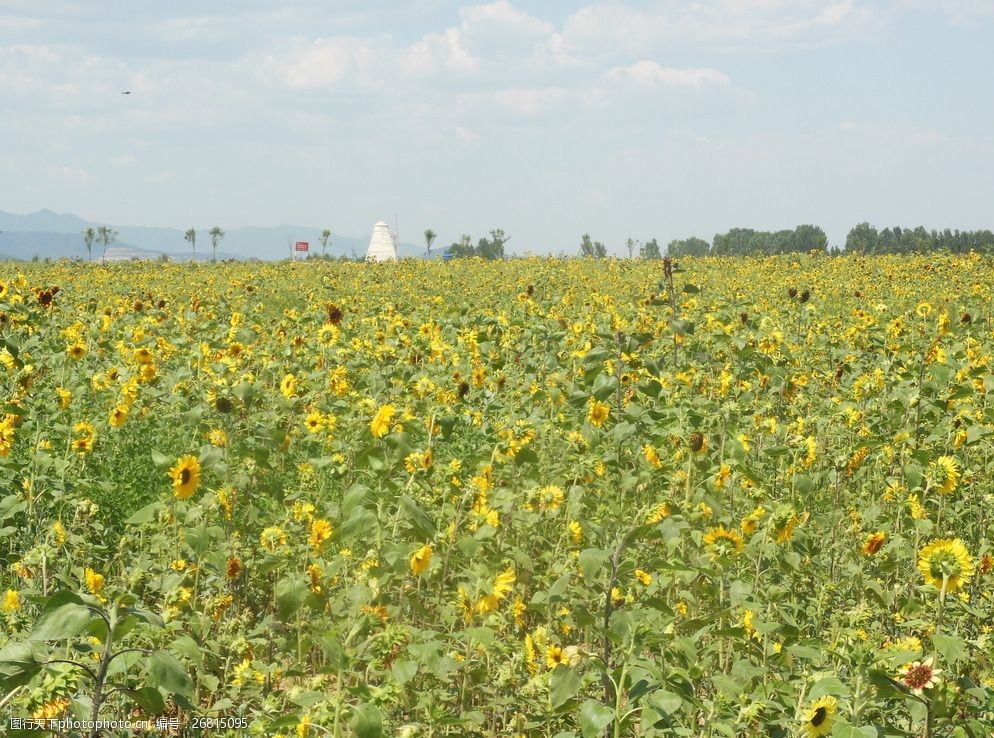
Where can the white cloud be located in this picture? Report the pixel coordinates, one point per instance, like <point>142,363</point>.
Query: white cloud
<point>528,102</point>
<point>957,12</point>
<point>438,52</point>
<point>324,62</point>
<point>69,175</point>
<point>607,29</point>
<point>466,136</point>
<point>502,17</point>
<point>650,73</point>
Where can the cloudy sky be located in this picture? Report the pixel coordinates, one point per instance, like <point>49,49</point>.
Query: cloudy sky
<point>547,119</point>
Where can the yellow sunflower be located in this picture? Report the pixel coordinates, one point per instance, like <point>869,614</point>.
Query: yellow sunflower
<point>820,716</point>
<point>715,536</point>
<point>598,413</point>
<point>945,562</point>
<point>873,542</point>
<point>186,477</point>
<point>118,416</point>
<point>420,560</point>
<point>945,474</point>
<point>380,424</point>
<point>76,351</point>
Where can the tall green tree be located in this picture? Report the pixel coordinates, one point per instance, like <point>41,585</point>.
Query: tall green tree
<point>191,237</point>
<point>89,236</point>
<point>430,236</point>
<point>591,248</point>
<point>216,235</point>
<point>492,248</point>
<point>463,247</point>
<point>631,243</point>
<point>650,250</point>
<point>106,235</point>
<point>692,246</point>
<point>325,235</point>
<point>863,238</point>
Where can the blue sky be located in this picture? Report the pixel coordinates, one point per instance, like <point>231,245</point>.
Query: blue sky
<point>621,119</point>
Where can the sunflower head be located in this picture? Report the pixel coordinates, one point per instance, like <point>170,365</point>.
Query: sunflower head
<point>945,563</point>
<point>945,474</point>
<point>186,477</point>
<point>820,716</point>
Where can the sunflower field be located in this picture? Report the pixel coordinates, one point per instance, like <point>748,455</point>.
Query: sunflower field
<point>537,498</point>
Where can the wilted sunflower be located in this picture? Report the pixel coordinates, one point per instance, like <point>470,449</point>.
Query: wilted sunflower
<point>820,716</point>
<point>186,477</point>
<point>873,542</point>
<point>946,562</point>
<point>919,676</point>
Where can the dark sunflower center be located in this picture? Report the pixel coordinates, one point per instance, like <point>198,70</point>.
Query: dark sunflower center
<point>184,476</point>
<point>819,717</point>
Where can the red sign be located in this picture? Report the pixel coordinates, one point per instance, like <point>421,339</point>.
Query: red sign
<point>302,246</point>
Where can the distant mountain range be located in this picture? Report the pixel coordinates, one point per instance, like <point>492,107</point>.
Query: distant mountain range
<point>46,234</point>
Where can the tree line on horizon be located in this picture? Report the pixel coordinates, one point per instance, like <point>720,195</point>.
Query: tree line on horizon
<point>862,239</point>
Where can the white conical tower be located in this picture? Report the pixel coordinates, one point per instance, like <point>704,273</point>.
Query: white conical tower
<point>382,245</point>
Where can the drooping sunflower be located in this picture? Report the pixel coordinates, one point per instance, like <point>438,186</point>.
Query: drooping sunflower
<point>945,474</point>
<point>945,560</point>
<point>320,532</point>
<point>288,387</point>
<point>76,351</point>
<point>94,581</point>
<point>820,717</point>
<point>380,424</point>
<point>873,542</point>
<point>420,560</point>
<point>715,537</point>
<point>186,477</point>
<point>118,416</point>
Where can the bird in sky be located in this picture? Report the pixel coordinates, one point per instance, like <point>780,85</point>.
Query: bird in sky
<point>126,92</point>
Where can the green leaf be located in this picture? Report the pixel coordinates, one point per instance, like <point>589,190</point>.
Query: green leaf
<point>160,459</point>
<point>421,523</point>
<point>594,718</point>
<point>61,622</point>
<point>591,560</point>
<point>17,665</point>
<point>828,685</point>
<point>188,648</point>
<point>844,730</point>
<point>366,722</point>
<point>361,521</point>
<point>559,587</point>
<point>145,515</point>
<point>563,685</point>
<point>148,699</point>
<point>166,672</point>
<point>290,594</point>
<point>404,670</point>
<point>952,648</point>
<point>665,702</point>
